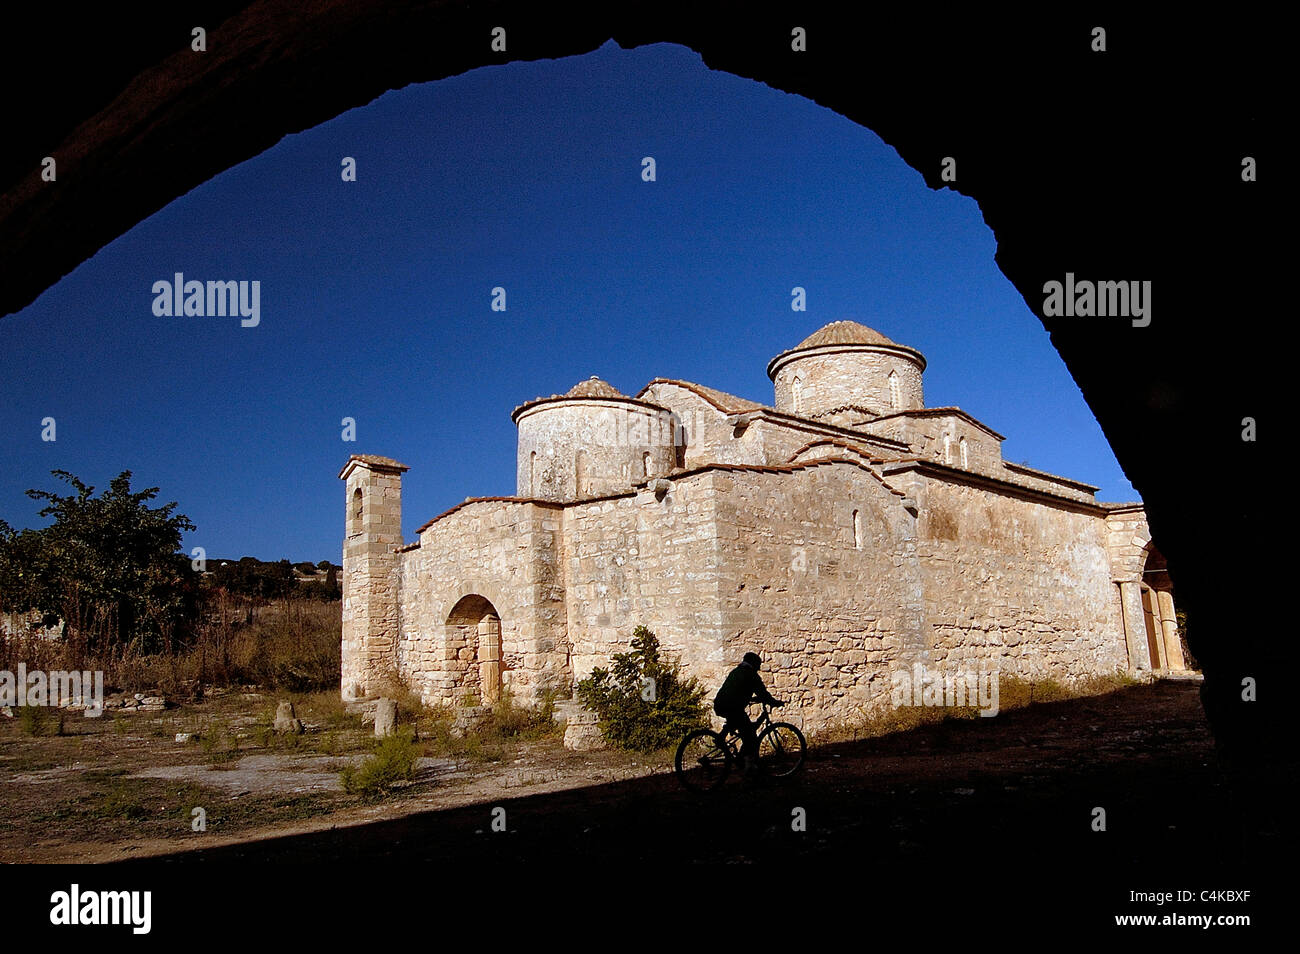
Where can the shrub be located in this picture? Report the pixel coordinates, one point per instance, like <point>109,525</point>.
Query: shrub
<point>439,739</point>
<point>511,721</point>
<point>38,720</point>
<point>121,800</point>
<point>220,744</point>
<point>33,720</point>
<point>1188,659</point>
<point>644,700</point>
<point>1049,690</point>
<point>393,761</point>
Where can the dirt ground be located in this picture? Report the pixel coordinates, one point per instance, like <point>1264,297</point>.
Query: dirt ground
<point>1025,784</point>
<point>121,786</point>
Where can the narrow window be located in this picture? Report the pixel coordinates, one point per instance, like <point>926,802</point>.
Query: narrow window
<point>581,467</point>
<point>947,449</point>
<point>356,509</point>
<point>646,466</point>
<point>857,529</point>
<point>895,400</point>
<point>796,393</point>
<point>532,474</point>
<point>965,456</point>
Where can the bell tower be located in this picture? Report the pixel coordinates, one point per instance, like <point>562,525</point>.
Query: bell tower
<point>370,566</point>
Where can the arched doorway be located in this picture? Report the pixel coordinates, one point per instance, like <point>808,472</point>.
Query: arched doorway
<point>473,650</point>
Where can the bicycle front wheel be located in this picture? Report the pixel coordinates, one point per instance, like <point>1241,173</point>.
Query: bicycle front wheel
<point>703,760</point>
<point>781,750</point>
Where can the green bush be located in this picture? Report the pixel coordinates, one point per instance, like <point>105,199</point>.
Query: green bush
<point>392,762</point>
<point>37,720</point>
<point>33,720</point>
<point>220,744</point>
<point>511,721</point>
<point>630,720</point>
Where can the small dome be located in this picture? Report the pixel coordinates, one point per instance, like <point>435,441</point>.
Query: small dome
<point>846,365</point>
<point>844,333</point>
<point>594,387</point>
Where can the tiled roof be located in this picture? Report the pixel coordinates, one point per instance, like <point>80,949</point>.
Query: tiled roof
<point>373,460</point>
<point>842,333</point>
<point>594,387</point>
<point>727,403</point>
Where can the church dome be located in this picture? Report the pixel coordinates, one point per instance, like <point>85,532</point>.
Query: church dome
<point>844,333</point>
<point>594,387</point>
<point>843,364</point>
<point>590,441</point>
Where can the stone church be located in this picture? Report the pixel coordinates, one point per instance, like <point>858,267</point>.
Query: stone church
<point>844,532</point>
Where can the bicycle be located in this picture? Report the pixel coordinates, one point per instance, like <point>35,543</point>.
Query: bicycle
<point>704,757</point>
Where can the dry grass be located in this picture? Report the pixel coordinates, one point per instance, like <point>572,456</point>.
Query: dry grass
<point>1013,693</point>
<point>289,645</point>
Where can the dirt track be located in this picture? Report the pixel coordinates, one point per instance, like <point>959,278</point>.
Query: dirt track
<point>1018,787</point>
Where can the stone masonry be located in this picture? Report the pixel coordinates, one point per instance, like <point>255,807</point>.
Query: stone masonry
<point>844,533</point>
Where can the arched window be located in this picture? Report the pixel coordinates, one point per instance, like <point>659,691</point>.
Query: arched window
<point>532,474</point>
<point>895,396</point>
<point>947,448</point>
<point>965,456</point>
<point>796,393</point>
<point>857,529</point>
<point>356,510</point>
<point>646,466</point>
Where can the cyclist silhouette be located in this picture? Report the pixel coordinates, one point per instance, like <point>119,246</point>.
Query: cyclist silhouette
<point>741,686</point>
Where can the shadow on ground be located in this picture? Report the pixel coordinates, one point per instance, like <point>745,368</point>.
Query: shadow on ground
<point>1019,789</point>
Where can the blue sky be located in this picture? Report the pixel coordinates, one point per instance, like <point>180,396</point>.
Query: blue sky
<point>376,295</point>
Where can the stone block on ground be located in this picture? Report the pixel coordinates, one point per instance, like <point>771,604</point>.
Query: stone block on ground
<point>582,732</point>
<point>385,717</point>
<point>285,722</point>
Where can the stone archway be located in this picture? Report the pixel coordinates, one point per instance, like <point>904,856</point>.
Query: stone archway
<point>1160,618</point>
<point>472,654</point>
<point>172,127</point>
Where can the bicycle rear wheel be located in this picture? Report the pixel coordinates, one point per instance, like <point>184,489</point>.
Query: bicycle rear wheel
<point>781,750</point>
<point>703,760</point>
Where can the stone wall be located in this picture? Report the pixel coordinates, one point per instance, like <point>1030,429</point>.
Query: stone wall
<point>508,553</point>
<point>850,417</point>
<point>586,447</point>
<point>831,378</point>
<point>370,575</point>
<point>1048,483</point>
<point>1127,538</point>
<point>926,436</point>
<point>1015,585</point>
<point>782,441</point>
<point>834,448</point>
<point>831,603</point>
<point>836,575</point>
<point>709,438</point>
<point>644,560</point>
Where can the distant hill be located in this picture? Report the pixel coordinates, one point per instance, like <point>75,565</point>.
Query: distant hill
<point>250,576</point>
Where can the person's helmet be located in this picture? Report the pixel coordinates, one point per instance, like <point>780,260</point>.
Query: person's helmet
<point>753,659</point>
